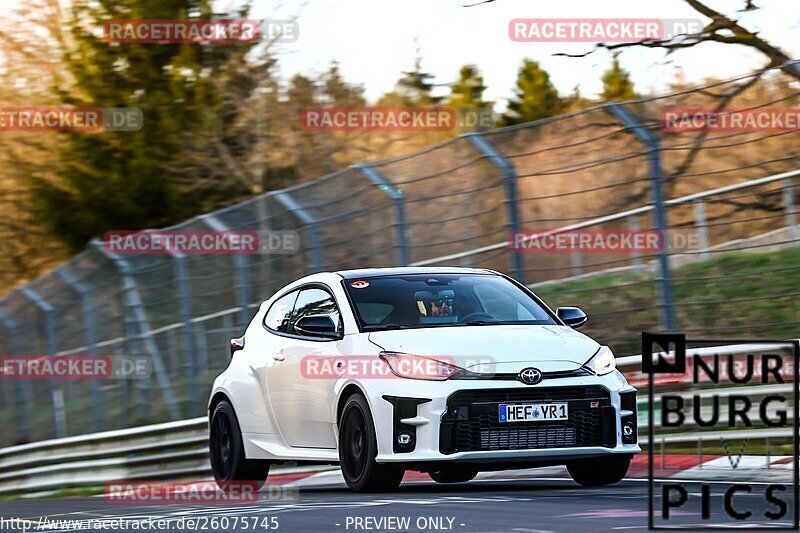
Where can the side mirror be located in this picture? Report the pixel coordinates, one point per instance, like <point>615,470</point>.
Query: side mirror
<point>572,316</point>
<point>236,345</point>
<point>321,326</point>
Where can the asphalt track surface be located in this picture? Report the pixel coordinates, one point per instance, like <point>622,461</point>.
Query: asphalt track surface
<point>493,505</point>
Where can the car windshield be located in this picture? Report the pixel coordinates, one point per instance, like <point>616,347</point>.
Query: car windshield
<point>442,300</point>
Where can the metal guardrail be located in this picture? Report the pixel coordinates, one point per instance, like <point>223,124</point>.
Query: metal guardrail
<point>148,452</point>
<point>180,448</point>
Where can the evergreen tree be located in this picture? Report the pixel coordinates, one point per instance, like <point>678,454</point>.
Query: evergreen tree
<point>617,84</point>
<point>467,91</point>
<point>416,86</point>
<point>146,178</point>
<point>534,96</point>
<point>302,92</point>
<point>466,98</point>
<point>312,153</point>
<point>337,92</point>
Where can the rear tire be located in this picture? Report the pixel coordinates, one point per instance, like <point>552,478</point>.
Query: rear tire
<point>358,448</point>
<point>599,471</point>
<point>454,474</point>
<point>228,461</point>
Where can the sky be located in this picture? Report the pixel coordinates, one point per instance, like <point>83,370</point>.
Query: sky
<point>375,40</point>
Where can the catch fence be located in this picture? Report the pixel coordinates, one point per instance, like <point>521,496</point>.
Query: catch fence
<point>451,204</point>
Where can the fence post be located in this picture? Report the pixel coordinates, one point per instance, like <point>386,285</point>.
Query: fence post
<point>701,228</point>
<point>640,131</point>
<point>89,339</point>
<point>791,216</point>
<point>499,160</point>
<point>311,226</point>
<point>396,195</point>
<point>22,400</point>
<point>48,312</point>
<point>185,311</point>
<point>240,270</point>
<point>577,263</point>
<point>132,303</point>
<point>265,264</point>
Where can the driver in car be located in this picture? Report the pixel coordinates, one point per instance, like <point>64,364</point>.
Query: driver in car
<point>441,307</point>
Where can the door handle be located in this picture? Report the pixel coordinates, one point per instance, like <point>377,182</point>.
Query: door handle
<point>278,356</point>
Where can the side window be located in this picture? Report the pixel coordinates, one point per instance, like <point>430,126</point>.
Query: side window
<point>314,302</point>
<point>279,313</point>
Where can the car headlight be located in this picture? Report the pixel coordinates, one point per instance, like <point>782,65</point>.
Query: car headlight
<point>602,362</point>
<point>417,367</point>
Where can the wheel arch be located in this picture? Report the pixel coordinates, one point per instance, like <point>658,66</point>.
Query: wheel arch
<point>348,391</point>
<point>217,398</point>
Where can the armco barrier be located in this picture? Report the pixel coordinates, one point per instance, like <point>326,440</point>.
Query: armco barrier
<point>180,449</point>
<point>174,449</point>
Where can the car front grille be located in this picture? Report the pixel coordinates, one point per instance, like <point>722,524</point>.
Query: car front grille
<point>471,421</point>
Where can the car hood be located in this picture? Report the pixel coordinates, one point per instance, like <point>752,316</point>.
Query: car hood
<point>494,348</point>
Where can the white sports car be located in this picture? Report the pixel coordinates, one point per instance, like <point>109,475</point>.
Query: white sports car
<point>449,371</point>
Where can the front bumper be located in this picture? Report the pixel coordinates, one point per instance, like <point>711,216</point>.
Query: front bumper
<point>456,420</point>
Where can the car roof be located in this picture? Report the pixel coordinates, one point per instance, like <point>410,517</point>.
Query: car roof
<point>404,271</point>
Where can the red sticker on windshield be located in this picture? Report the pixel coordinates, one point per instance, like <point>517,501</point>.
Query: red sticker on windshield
<point>360,284</point>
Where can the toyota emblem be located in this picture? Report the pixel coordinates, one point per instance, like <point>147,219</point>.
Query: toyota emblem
<point>530,376</point>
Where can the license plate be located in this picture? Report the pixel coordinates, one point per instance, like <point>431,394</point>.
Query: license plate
<point>532,412</point>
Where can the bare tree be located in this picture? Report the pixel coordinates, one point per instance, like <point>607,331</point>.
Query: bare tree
<point>721,28</point>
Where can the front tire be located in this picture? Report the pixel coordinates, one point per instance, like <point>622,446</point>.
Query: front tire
<point>358,448</point>
<point>599,471</point>
<point>228,461</point>
<point>454,474</point>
